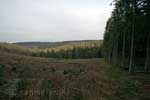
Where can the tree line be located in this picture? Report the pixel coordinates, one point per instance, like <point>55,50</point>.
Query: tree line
<point>74,53</point>
<point>127,35</point>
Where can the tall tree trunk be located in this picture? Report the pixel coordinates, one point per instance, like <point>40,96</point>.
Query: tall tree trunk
<point>133,63</point>
<point>115,52</point>
<point>147,54</point>
<point>110,54</point>
<point>131,55</point>
<point>123,49</point>
<point>132,40</point>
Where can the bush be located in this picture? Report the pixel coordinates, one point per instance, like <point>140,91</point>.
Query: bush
<point>1,75</point>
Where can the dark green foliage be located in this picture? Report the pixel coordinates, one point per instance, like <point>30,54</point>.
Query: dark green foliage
<point>126,39</point>
<point>65,72</point>
<point>53,70</point>
<point>21,85</point>
<point>75,53</point>
<point>1,75</point>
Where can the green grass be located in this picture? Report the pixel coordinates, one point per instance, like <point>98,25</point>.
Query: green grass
<point>128,86</point>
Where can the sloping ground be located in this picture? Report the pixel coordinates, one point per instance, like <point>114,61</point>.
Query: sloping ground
<point>21,48</point>
<point>13,48</point>
<point>55,44</point>
<point>30,78</point>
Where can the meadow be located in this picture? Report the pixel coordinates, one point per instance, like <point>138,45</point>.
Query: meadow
<point>25,77</point>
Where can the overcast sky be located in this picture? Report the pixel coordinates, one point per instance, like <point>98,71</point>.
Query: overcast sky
<point>53,20</point>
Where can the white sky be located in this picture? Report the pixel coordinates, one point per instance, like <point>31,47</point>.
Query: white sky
<point>53,20</point>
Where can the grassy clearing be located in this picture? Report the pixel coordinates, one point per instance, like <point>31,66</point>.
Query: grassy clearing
<point>37,78</point>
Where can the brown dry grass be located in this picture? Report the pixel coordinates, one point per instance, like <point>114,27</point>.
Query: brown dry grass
<point>51,79</point>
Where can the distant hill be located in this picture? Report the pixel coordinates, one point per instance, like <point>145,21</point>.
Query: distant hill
<point>15,49</point>
<point>47,49</point>
<point>50,44</point>
<point>36,44</point>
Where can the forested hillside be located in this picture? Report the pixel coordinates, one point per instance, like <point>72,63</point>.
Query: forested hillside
<point>70,49</point>
<point>127,35</point>
<point>74,50</point>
